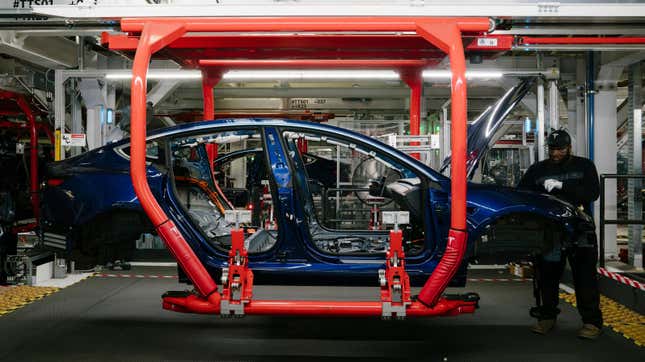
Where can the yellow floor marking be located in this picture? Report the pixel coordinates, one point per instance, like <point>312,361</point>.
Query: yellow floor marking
<point>14,297</point>
<point>619,318</point>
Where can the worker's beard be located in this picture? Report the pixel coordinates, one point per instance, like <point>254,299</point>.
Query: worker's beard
<point>561,158</point>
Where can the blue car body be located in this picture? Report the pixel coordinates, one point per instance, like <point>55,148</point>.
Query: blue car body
<point>98,183</point>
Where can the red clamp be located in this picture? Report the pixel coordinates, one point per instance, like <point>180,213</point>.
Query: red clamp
<point>395,282</point>
<point>237,279</point>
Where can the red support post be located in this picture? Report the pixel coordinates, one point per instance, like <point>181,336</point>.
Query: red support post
<point>154,37</point>
<point>413,77</point>
<point>210,78</point>
<point>448,38</point>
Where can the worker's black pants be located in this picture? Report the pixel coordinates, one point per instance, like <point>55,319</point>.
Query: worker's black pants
<point>585,278</point>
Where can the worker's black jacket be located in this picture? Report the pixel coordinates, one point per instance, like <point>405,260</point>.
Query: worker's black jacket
<point>579,178</point>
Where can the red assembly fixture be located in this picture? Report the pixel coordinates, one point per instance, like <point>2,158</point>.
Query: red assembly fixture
<point>444,33</point>
<point>25,110</point>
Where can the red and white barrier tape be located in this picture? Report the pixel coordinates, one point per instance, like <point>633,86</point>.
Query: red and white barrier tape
<point>621,279</point>
<point>499,279</point>
<point>138,276</point>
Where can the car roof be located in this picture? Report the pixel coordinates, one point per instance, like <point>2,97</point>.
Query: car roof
<point>281,122</point>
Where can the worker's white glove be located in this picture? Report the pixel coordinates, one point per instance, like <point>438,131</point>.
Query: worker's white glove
<point>551,184</point>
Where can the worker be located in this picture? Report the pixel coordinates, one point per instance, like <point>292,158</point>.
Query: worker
<point>575,180</point>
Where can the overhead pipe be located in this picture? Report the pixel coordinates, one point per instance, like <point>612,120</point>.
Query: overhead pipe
<point>564,40</point>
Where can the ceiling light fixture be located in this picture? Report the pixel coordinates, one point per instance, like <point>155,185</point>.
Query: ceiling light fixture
<point>435,74</point>
<point>470,74</point>
<point>310,74</point>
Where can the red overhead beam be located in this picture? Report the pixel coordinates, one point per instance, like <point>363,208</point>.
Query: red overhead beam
<point>280,41</point>
<point>311,23</point>
<point>432,56</point>
<point>312,63</point>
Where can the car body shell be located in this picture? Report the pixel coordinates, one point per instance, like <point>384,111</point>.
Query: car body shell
<point>98,182</point>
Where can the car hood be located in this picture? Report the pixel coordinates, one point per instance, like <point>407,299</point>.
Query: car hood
<point>483,132</point>
<point>491,200</point>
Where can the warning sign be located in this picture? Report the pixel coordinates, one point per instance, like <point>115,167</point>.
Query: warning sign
<point>73,139</point>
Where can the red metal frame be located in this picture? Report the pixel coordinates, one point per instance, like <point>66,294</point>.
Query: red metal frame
<point>445,33</point>
<point>411,72</point>
<point>33,141</point>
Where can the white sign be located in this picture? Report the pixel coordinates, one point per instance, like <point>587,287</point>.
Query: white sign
<point>20,148</point>
<point>21,10</point>
<point>73,139</point>
<point>395,217</point>
<point>435,141</point>
<point>237,216</point>
<point>487,42</point>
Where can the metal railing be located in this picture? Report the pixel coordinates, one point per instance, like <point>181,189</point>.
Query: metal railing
<point>603,221</point>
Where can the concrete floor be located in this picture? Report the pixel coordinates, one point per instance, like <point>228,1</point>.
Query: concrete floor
<point>120,319</point>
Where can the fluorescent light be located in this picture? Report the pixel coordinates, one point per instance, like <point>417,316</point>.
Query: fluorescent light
<point>157,74</point>
<point>470,74</point>
<point>310,74</point>
<point>438,74</point>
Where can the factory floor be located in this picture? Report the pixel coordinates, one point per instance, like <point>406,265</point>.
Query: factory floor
<point>119,318</point>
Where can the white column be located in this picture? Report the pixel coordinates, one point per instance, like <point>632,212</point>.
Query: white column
<point>581,134</point>
<point>635,156</point>
<point>605,158</point>
<point>554,106</point>
<point>59,105</point>
<point>93,127</point>
<point>540,121</point>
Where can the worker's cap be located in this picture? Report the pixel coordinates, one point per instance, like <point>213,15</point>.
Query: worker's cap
<point>559,139</point>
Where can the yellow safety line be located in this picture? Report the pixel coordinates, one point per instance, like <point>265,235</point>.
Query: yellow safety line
<point>619,318</point>
<point>12,298</point>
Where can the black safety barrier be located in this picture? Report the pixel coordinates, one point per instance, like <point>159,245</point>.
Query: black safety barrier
<point>604,221</point>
